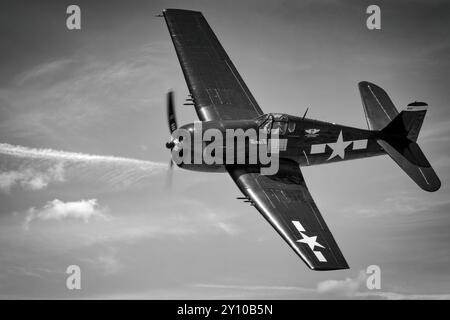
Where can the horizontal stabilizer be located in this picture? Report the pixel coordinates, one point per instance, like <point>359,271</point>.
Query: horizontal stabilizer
<point>408,155</point>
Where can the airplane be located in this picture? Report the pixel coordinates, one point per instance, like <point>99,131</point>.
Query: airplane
<point>222,100</point>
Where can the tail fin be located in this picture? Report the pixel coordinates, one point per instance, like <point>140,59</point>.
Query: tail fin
<point>379,109</point>
<point>399,132</point>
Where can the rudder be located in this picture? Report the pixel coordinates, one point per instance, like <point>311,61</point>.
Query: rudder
<point>408,122</point>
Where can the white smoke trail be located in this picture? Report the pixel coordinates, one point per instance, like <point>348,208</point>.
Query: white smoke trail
<point>25,152</point>
<point>36,168</point>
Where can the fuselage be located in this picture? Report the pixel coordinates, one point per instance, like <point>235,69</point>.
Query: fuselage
<point>305,141</point>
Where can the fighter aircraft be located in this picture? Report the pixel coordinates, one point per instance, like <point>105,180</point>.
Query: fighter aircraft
<point>222,100</point>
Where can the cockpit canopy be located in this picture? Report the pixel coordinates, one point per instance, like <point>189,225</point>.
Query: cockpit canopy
<point>273,121</point>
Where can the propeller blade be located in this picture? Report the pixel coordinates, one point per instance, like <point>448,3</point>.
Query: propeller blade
<point>172,122</point>
<point>171,118</point>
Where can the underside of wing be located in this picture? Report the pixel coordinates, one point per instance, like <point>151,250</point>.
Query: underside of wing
<point>217,89</point>
<point>284,200</point>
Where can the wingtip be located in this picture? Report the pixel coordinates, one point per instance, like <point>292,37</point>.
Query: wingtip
<point>433,186</point>
<point>330,267</point>
<point>363,84</point>
<point>186,11</point>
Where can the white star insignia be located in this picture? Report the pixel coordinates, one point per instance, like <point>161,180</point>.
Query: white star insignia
<point>338,147</point>
<point>310,241</point>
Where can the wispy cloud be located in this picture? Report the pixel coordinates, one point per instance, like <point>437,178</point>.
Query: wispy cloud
<point>84,210</point>
<point>31,178</point>
<point>249,291</point>
<point>253,287</point>
<point>227,228</point>
<point>114,241</point>
<point>399,204</point>
<point>354,288</point>
<point>439,132</point>
<point>347,287</point>
<point>125,225</point>
<point>106,261</point>
<point>109,263</point>
<point>44,69</point>
<point>167,221</point>
<point>77,92</point>
<point>403,296</point>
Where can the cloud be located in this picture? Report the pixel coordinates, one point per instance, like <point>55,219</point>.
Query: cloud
<point>31,178</point>
<point>106,262</point>
<point>267,288</point>
<point>72,94</point>
<point>248,291</point>
<point>403,296</point>
<point>227,228</point>
<point>189,219</point>
<point>352,288</point>
<point>57,210</point>
<point>399,204</point>
<point>347,287</point>
<point>44,69</point>
<point>109,263</point>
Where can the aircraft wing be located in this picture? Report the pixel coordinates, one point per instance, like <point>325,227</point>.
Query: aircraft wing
<point>284,200</point>
<point>217,89</point>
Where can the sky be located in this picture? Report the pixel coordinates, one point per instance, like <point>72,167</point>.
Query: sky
<point>83,167</point>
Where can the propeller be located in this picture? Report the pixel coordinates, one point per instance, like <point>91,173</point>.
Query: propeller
<point>171,112</point>
<point>171,118</point>
<point>172,122</point>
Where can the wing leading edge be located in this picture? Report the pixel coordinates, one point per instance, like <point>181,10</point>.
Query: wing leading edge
<point>218,91</point>
<point>285,202</point>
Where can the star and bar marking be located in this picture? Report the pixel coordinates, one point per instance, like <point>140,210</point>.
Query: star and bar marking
<point>310,241</point>
<point>339,146</point>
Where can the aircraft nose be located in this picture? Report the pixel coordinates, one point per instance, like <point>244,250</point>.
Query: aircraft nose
<point>174,143</point>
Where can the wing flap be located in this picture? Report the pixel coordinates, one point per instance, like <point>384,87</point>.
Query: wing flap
<point>285,202</point>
